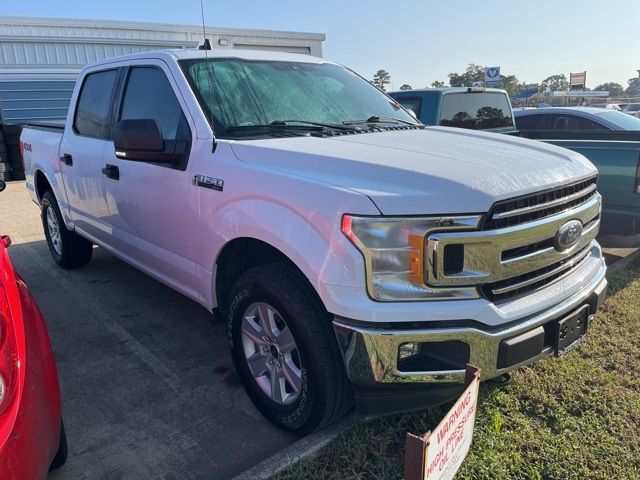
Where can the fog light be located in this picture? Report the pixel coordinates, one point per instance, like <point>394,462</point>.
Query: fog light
<point>408,350</point>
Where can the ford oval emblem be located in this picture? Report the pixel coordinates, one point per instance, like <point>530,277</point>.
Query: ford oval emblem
<point>568,235</point>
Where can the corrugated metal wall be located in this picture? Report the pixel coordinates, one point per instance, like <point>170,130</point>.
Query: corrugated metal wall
<point>41,58</point>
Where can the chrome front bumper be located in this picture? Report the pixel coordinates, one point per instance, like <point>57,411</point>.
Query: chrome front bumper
<point>371,354</point>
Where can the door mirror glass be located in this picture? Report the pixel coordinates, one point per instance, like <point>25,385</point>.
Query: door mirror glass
<point>139,139</point>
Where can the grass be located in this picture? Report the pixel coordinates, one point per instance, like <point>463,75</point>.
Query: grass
<point>576,417</point>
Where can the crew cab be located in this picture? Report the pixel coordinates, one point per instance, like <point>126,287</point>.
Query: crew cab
<point>353,252</point>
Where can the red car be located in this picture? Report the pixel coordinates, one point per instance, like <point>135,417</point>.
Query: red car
<point>32,438</point>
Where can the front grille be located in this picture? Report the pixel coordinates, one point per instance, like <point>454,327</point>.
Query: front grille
<point>532,207</point>
<point>513,287</point>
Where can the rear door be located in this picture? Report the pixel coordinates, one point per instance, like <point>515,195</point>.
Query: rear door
<point>151,204</point>
<point>82,149</point>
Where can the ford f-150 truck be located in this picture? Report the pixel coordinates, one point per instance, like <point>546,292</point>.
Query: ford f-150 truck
<point>355,253</point>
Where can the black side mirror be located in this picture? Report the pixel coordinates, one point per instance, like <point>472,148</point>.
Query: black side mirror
<point>3,185</point>
<point>139,139</point>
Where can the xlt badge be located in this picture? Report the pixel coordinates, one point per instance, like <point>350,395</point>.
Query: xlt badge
<point>208,182</point>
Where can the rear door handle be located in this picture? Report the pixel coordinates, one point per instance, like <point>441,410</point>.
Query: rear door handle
<point>111,171</point>
<point>66,159</point>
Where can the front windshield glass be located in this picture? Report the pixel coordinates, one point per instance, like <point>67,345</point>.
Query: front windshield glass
<point>622,120</point>
<point>244,93</point>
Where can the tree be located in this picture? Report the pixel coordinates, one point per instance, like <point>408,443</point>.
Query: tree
<point>614,89</point>
<point>511,84</point>
<point>633,90</point>
<point>437,84</point>
<point>555,83</point>
<point>405,86</point>
<point>474,73</point>
<point>381,79</point>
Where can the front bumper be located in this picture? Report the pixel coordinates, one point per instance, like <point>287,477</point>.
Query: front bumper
<point>371,355</point>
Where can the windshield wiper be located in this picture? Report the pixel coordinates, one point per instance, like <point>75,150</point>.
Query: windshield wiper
<point>381,119</point>
<point>289,124</point>
<point>317,124</point>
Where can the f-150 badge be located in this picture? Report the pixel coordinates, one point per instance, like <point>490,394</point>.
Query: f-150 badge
<point>208,182</point>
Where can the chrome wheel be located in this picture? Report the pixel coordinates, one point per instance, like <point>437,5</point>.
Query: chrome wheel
<point>54,230</point>
<point>271,353</point>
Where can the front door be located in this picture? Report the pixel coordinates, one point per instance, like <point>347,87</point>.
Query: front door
<point>151,204</point>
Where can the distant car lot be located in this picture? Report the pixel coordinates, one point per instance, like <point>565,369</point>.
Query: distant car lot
<point>148,386</point>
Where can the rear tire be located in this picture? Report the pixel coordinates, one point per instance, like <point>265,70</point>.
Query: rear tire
<point>323,392</point>
<point>68,249</point>
<point>63,451</point>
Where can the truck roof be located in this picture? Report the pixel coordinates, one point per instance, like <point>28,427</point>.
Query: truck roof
<point>446,90</point>
<point>190,53</point>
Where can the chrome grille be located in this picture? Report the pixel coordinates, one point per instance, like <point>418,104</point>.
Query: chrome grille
<point>539,205</point>
<point>521,252</point>
<point>513,287</point>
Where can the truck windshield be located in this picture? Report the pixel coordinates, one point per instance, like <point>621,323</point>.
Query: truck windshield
<point>476,110</point>
<point>267,97</point>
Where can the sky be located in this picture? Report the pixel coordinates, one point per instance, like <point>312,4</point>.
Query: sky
<point>416,41</point>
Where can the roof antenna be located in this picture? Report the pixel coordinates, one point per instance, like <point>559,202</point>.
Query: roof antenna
<point>206,45</point>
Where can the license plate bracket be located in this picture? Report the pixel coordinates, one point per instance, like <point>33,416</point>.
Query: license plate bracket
<point>571,330</point>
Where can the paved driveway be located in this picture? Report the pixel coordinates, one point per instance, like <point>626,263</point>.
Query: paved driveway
<point>148,386</point>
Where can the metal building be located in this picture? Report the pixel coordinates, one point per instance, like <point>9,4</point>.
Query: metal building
<point>40,58</point>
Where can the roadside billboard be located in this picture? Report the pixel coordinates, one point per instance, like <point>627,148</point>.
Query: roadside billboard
<point>527,91</point>
<point>577,81</point>
<point>492,77</point>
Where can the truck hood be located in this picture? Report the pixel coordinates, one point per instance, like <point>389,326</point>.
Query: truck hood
<point>437,170</point>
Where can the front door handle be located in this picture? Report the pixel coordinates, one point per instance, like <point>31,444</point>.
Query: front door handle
<point>66,159</point>
<point>111,171</point>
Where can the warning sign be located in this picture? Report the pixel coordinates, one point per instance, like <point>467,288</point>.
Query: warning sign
<point>439,454</point>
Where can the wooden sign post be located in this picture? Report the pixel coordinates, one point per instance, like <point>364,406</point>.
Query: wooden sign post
<point>439,454</point>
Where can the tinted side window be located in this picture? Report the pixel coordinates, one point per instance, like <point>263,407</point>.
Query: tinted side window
<point>149,95</point>
<point>573,122</point>
<point>533,122</point>
<point>587,124</point>
<point>410,103</point>
<point>92,110</point>
<point>476,110</point>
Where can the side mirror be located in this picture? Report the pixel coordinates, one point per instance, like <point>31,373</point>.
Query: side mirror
<point>3,185</point>
<point>139,140</point>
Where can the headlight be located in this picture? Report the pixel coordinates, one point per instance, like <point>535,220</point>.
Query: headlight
<point>394,254</point>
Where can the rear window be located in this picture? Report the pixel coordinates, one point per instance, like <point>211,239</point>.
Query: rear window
<point>410,103</point>
<point>476,111</point>
<point>621,120</point>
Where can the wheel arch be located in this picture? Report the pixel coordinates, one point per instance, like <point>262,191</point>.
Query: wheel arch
<point>239,255</point>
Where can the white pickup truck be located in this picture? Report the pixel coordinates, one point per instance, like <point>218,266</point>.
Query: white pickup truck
<point>356,254</point>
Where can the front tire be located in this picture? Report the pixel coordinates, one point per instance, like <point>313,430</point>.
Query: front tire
<point>285,351</point>
<point>68,249</point>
